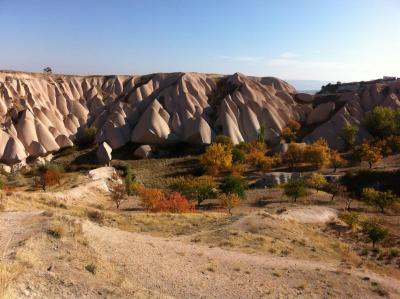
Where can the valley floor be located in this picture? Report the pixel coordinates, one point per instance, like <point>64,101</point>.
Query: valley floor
<point>73,243</point>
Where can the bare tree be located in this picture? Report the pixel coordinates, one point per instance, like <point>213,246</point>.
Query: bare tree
<point>48,70</point>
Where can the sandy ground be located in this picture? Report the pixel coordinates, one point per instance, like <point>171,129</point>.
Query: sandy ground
<point>183,270</point>
<point>15,228</point>
<point>310,214</point>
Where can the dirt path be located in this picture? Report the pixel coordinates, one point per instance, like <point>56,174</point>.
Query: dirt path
<point>186,270</point>
<point>15,228</point>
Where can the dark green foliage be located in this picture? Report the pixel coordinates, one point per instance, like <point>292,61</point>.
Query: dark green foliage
<point>374,231</point>
<point>238,155</point>
<point>222,139</point>
<point>379,180</point>
<point>349,135</point>
<point>86,136</point>
<point>295,188</point>
<point>261,134</point>
<point>383,121</point>
<point>129,180</point>
<point>195,188</point>
<point>234,184</point>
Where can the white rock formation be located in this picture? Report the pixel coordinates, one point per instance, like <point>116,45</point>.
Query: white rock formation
<point>41,113</point>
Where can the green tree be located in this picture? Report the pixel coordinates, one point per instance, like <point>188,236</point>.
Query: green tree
<point>380,199</point>
<point>381,121</point>
<point>295,189</point>
<point>374,231</point>
<point>349,135</point>
<point>234,184</point>
<point>317,181</point>
<point>261,134</point>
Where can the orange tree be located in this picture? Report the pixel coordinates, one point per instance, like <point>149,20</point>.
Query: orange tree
<point>367,153</point>
<point>217,157</point>
<point>289,133</point>
<point>336,160</point>
<point>229,201</point>
<point>293,155</point>
<point>317,153</point>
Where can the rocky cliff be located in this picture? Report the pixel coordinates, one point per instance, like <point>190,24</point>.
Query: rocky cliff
<point>42,113</point>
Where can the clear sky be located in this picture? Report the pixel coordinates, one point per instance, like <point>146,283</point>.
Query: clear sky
<point>299,39</point>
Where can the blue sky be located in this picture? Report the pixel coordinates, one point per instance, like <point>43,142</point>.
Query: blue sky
<point>309,39</point>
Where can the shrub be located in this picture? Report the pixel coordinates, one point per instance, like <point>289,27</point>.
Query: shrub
<point>335,189</point>
<point>1,184</point>
<point>374,231</point>
<point>92,268</point>
<point>238,155</point>
<point>317,153</point>
<point>366,153</point>
<point>317,181</point>
<point>234,185</point>
<point>228,201</point>
<point>198,189</point>
<point>261,134</point>
<point>173,203</point>
<point>382,121</point>
<point>217,157</point>
<point>293,155</point>
<point>350,218</point>
<point>130,184</point>
<point>149,197</point>
<point>336,160</point>
<point>86,136</point>
<point>295,189</point>
<point>380,199</point>
<point>50,177</point>
<point>349,135</point>
<point>257,159</point>
<point>289,133</point>
<point>118,194</point>
<point>95,216</point>
<point>238,169</point>
<point>225,140</point>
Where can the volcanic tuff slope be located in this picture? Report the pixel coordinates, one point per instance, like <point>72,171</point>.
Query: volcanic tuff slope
<point>42,113</point>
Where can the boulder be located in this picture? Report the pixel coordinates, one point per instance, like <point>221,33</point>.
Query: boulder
<point>277,178</point>
<point>321,113</point>
<point>104,154</point>
<point>143,152</point>
<point>304,97</point>
<point>333,177</point>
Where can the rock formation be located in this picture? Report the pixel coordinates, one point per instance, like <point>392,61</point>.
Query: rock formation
<point>41,113</point>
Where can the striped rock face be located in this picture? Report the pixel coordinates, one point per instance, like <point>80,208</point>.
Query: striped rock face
<point>42,113</point>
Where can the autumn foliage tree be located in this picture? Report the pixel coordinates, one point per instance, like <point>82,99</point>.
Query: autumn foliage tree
<point>335,159</point>
<point>173,203</point>
<point>118,193</point>
<point>364,152</point>
<point>228,201</point>
<point>218,156</point>
<point>317,153</point>
<point>289,133</point>
<point>317,181</point>
<point>293,155</point>
<point>335,189</point>
<point>149,197</point>
<point>50,175</point>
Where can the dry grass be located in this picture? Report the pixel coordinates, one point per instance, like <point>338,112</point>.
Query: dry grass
<point>9,273</point>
